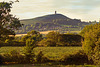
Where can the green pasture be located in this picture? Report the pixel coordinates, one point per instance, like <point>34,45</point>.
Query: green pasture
<point>50,52</point>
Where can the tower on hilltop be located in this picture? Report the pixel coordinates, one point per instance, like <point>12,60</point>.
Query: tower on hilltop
<point>55,12</point>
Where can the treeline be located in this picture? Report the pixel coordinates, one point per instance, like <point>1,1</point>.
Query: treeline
<point>51,39</point>
<point>49,26</point>
<point>57,39</point>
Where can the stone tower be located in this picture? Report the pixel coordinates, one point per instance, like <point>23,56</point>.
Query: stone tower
<point>55,12</point>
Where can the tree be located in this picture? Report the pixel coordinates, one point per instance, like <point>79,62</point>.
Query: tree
<point>53,35</point>
<point>91,42</point>
<point>86,29</point>
<point>8,22</point>
<point>28,50</point>
<point>31,39</point>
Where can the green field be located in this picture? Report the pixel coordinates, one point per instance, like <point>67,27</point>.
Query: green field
<point>57,52</point>
<point>50,52</point>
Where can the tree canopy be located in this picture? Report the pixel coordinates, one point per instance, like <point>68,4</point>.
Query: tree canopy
<point>91,42</point>
<point>8,22</point>
<point>57,39</point>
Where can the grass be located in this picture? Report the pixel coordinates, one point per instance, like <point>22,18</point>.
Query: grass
<point>50,52</point>
<point>57,52</point>
<point>8,49</point>
<point>74,32</point>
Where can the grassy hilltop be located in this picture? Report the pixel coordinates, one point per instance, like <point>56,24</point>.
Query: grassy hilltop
<point>57,22</point>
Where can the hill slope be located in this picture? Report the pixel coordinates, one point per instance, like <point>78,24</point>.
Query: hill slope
<point>51,22</point>
<point>44,19</point>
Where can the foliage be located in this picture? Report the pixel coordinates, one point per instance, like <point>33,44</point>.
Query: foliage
<point>91,42</point>
<point>47,42</point>
<point>39,57</point>
<point>36,36</point>
<point>72,58</point>
<point>31,40</point>
<point>13,56</point>
<point>64,55</point>
<point>8,22</point>
<point>57,39</point>
<point>28,50</point>
<point>1,60</point>
<point>86,29</point>
<point>1,43</point>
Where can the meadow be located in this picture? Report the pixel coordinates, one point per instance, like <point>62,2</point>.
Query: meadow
<point>54,53</point>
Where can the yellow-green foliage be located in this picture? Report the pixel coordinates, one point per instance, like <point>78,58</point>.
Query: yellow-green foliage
<point>91,43</point>
<point>57,39</point>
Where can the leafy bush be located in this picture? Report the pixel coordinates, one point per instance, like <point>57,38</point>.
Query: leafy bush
<point>1,59</point>
<point>13,56</point>
<point>77,58</point>
<point>1,43</point>
<point>47,42</point>
<point>30,44</point>
<point>31,40</point>
<point>40,58</point>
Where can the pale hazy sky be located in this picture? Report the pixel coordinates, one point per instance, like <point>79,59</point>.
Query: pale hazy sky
<point>86,10</point>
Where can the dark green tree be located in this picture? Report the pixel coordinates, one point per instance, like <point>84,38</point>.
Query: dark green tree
<point>8,22</point>
<point>31,39</point>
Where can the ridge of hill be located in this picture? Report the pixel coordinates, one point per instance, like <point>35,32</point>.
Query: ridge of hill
<point>43,19</point>
<point>57,22</point>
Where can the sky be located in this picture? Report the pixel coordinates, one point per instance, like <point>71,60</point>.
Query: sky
<point>86,10</point>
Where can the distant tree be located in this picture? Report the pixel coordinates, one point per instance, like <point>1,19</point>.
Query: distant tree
<point>53,35</point>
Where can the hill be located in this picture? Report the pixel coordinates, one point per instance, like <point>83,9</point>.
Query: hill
<point>44,19</point>
<point>56,22</point>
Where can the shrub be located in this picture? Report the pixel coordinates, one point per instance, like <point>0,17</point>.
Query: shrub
<point>1,59</point>
<point>1,43</point>
<point>28,50</point>
<point>13,56</point>
<point>40,58</point>
<point>77,58</point>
